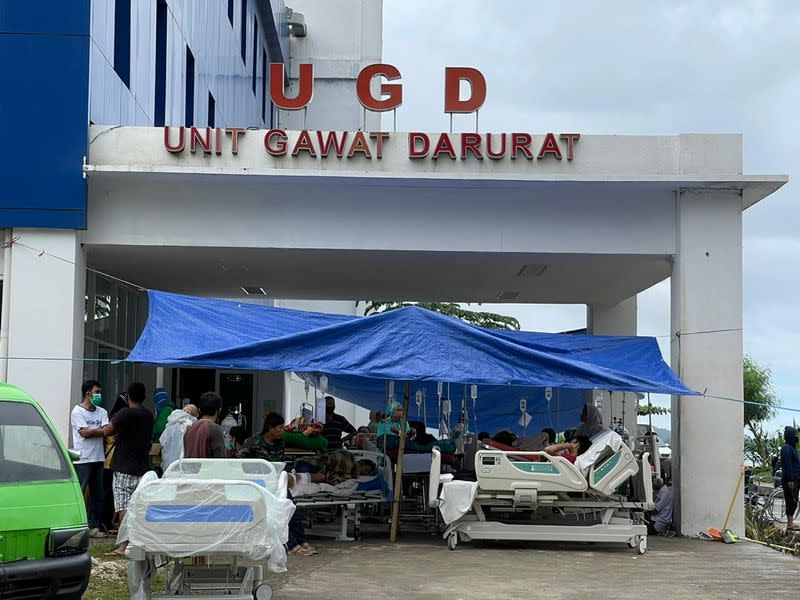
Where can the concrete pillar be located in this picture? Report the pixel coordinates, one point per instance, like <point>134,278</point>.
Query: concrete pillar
<point>615,319</point>
<point>47,320</point>
<point>706,312</point>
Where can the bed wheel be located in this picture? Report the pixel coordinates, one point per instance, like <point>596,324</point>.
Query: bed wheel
<point>452,541</point>
<point>263,592</point>
<point>641,546</point>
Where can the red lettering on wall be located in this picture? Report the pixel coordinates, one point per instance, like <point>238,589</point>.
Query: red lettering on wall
<point>453,76</point>
<point>413,141</point>
<point>181,141</point>
<point>550,146</point>
<point>379,136</point>
<point>332,139</point>
<point>571,138</point>
<point>359,145</point>
<point>197,138</point>
<point>394,91</point>
<point>275,142</point>
<point>305,87</point>
<point>235,132</point>
<point>521,141</point>
<point>490,152</point>
<point>304,144</point>
<point>471,142</point>
<point>218,141</point>
<point>444,145</point>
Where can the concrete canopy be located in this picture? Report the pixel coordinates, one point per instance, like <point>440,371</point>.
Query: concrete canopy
<point>596,230</point>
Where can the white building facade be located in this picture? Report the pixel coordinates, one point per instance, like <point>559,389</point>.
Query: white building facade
<point>594,220</point>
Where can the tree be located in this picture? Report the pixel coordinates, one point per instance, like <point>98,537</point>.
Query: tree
<point>451,309</point>
<point>760,404</point>
<point>642,410</point>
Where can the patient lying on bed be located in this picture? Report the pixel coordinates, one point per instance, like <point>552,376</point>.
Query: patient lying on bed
<point>308,479</point>
<point>570,450</point>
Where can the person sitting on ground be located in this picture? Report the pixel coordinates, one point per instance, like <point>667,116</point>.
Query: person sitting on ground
<point>661,517</point>
<point>390,427</point>
<point>268,445</point>
<point>336,426</point>
<point>204,438</point>
<point>238,436</point>
<point>790,475</point>
<point>591,421</point>
<point>570,450</point>
<point>172,438</point>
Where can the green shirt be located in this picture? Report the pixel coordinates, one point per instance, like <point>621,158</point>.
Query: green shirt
<point>258,447</point>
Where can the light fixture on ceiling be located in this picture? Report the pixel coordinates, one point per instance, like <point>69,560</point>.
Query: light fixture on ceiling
<point>252,290</point>
<point>508,295</point>
<point>532,270</point>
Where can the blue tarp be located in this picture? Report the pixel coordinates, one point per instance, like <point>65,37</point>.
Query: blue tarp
<point>412,344</point>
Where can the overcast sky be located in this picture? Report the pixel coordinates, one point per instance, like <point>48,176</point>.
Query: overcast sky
<point>634,67</point>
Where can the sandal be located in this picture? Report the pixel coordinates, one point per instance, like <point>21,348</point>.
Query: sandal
<point>116,552</point>
<point>309,548</point>
<point>299,551</point>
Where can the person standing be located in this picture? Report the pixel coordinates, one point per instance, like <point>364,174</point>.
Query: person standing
<point>164,407</point>
<point>172,439</point>
<point>205,438</point>
<point>133,428</point>
<point>335,426</point>
<point>88,419</point>
<point>790,475</point>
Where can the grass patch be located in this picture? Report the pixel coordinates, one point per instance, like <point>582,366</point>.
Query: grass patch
<point>109,580</point>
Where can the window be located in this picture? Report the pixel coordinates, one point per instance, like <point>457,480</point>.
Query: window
<point>189,112</point>
<point>28,450</point>
<point>212,109</point>
<point>161,64</point>
<point>230,11</point>
<point>122,40</point>
<point>244,31</point>
<point>255,51</point>
<point>264,86</point>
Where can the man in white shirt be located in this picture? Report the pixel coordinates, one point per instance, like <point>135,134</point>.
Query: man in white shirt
<point>88,419</point>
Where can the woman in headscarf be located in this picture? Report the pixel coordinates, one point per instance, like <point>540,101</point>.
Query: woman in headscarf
<point>164,408</point>
<point>591,421</point>
<point>389,428</point>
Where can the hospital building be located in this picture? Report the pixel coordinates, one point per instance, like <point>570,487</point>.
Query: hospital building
<point>145,150</point>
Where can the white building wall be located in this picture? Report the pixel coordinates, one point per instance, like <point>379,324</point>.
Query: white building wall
<point>343,37</point>
<point>707,354</point>
<point>47,320</point>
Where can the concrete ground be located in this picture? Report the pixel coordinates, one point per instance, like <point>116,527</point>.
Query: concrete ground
<point>421,567</point>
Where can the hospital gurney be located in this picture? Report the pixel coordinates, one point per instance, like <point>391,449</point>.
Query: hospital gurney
<point>219,509</point>
<point>528,495</point>
<point>346,509</point>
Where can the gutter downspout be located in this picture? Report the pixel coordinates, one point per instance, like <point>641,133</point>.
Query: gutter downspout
<point>6,306</point>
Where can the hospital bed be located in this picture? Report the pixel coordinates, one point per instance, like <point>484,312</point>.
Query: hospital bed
<point>526,495</point>
<point>346,510</point>
<point>223,510</point>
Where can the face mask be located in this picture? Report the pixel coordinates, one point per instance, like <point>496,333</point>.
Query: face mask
<point>97,399</point>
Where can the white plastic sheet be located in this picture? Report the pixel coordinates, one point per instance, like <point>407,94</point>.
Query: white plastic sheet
<point>601,441</point>
<point>456,498</point>
<point>172,438</point>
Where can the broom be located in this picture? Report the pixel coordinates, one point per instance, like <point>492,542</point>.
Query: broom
<point>726,535</point>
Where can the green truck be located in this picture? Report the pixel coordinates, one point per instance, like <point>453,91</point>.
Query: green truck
<point>44,537</point>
